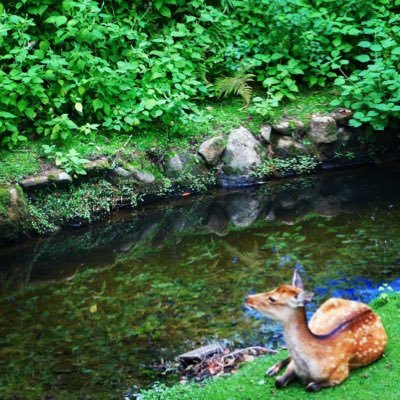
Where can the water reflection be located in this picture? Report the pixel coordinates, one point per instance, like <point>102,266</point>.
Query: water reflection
<point>61,255</point>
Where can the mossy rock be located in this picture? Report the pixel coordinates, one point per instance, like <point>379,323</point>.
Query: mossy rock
<point>13,212</point>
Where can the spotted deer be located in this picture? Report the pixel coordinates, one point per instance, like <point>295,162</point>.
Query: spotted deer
<point>342,335</point>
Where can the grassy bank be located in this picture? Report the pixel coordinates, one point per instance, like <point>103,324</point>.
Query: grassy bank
<point>379,380</point>
<point>220,116</point>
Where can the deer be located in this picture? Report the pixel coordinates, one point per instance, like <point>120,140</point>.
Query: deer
<point>342,335</point>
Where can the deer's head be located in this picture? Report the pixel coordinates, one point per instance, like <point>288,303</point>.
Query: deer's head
<point>280,303</point>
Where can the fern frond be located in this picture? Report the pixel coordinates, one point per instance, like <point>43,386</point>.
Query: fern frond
<point>237,85</point>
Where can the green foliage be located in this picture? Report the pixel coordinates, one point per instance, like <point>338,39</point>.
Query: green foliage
<point>71,161</point>
<point>373,89</point>
<point>237,84</point>
<point>70,69</point>
<point>282,166</point>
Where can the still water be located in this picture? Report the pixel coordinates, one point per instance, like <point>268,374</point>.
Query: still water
<point>88,313</point>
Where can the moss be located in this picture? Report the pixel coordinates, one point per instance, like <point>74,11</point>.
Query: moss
<point>5,201</point>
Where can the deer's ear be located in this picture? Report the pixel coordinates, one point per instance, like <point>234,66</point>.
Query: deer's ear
<point>303,298</point>
<point>297,281</point>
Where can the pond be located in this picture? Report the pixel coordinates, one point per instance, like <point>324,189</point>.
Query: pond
<point>88,313</point>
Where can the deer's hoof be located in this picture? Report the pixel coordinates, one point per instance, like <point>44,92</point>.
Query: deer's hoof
<point>313,387</point>
<point>272,371</point>
<point>279,384</point>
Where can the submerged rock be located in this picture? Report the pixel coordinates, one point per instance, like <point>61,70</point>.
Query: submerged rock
<point>323,130</point>
<point>212,149</point>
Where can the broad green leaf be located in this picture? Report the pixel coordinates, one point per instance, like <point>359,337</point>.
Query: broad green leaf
<point>363,58</point>
<point>58,20</point>
<point>6,114</point>
<point>364,44</point>
<point>97,104</point>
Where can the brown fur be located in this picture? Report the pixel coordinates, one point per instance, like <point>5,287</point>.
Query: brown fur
<point>342,335</point>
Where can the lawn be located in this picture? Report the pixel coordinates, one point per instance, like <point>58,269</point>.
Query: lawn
<point>377,381</point>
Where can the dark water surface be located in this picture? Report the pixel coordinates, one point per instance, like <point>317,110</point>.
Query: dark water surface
<point>88,312</point>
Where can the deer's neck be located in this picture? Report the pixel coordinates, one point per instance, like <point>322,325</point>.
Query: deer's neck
<point>301,342</point>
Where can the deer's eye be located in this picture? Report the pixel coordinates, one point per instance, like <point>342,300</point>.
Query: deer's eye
<point>271,300</point>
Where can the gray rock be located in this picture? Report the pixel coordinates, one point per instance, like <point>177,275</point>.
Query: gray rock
<point>121,172</point>
<point>289,127</point>
<point>242,154</point>
<point>34,181</point>
<point>323,130</point>
<point>58,176</point>
<point>101,164</point>
<point>265,133</point>
<point>287,146</point>
<point>341,115</point>
<point>13,212</point>
<point>212,149</point>
<point>175,163</point>
<point>181,162</point>
<point>141,176</point>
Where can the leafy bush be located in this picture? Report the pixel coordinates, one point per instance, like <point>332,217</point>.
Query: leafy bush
<point>71,68</point>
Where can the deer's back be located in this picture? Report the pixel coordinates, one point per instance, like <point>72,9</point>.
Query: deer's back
<point>358,330</point>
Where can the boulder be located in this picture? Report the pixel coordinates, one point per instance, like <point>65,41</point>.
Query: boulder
<point>323,130</point>
<point>96,166</point>
<point>242,154</point>
<point>184,162</point>
<point>341,115</point>
<point>34,181</point>
<point>121,172</point>
<point>58,176</point>
<point>141,176</point>
<point>287,146</point>
<point>265,133</point>
<point>289,127</point>
<point>212,149</point>
<point>54,175</point>
<point>13,212</point>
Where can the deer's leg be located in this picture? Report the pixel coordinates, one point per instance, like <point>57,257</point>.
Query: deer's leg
<point>277,367</point>
<point>287,377</point>
<point>336,378</point>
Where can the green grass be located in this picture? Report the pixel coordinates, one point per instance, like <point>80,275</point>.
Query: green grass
<point>377,381</point>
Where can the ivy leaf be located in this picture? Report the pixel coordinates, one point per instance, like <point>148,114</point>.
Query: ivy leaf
<point>396,51</point>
